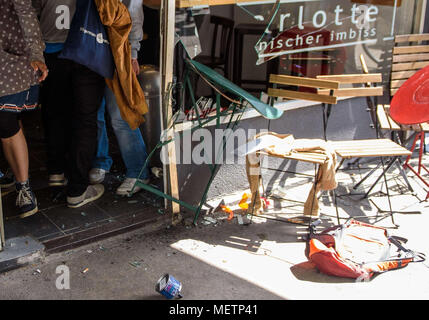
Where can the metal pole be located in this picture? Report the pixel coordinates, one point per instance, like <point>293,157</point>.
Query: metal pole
<point>423,16</point>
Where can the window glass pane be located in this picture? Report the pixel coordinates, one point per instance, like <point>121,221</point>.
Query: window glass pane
<point>314,37</point>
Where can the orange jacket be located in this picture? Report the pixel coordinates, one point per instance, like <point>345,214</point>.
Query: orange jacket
<point>128,92</point>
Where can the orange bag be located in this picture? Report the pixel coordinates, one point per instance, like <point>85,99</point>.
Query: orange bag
<point>358,250</point>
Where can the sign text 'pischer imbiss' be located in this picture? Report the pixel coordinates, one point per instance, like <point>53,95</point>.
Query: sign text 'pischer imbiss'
<point>308,27</point>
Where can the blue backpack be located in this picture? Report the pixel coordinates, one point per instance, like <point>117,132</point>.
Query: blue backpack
<point>87,42</point>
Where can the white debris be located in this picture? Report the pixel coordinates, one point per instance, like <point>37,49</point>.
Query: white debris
<point>210,220</point>
<point>157,172</point>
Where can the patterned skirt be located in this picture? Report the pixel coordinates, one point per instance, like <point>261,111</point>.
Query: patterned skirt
<point>21,101</point>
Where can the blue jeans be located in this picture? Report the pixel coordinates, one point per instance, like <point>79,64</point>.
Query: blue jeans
<point>131,143</point>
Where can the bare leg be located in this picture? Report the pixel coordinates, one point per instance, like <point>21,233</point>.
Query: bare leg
<point>16,153</point>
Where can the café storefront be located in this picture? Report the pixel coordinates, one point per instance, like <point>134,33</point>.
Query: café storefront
<point>298,38</point>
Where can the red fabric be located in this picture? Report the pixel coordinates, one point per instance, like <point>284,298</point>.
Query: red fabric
<point>410,104</point>
<point>322,250</point>
<point>329,262</point>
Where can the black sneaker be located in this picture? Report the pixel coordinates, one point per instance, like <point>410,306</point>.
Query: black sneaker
<point>26,201</point>
<point>8,180</point>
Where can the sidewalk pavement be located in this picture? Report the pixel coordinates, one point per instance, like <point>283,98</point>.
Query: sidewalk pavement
<point>227,260</point>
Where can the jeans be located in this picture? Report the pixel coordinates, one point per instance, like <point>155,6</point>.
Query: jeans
<point>71,96</point>
<point>131,143</point>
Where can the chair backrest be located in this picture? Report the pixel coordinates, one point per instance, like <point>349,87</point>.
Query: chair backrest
<point>360,85</point>
<point>298,87</point>
<point>225,26</point>
<point>355,85</point>
<point>407,59</point>
<point>410,54</point>
<point>327,88</point>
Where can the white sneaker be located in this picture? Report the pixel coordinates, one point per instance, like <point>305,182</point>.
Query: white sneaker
<point>127,186</point>
<point>96,175</point>
<point>92,193</point>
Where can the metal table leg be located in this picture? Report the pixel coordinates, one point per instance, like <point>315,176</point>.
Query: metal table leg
<point>385,169</point>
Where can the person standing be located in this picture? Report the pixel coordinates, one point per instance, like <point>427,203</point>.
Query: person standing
<point>131,143</point>
<point>22,68</point>
<point>71,97</point>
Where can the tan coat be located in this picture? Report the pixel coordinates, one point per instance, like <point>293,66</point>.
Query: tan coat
<point>326,179</point>
<point>125,85</point>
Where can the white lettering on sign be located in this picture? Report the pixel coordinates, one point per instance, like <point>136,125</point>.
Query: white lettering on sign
<point>63,20</point>
<point>360,16</point>
<point>327,26</point>
<point>337,11</point>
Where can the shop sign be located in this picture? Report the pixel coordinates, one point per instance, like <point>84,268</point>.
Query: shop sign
<point>324,24</point>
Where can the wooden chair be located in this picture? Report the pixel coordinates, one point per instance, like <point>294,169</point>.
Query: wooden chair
<point>310,86</point>
<point>409,54</point>
<point>221,47</point>
<point>325,89</point>
<point>303,88</point>
<point>367,87</point>
<point>382,121</point>
<point>328,88</point>
<point>370,148</point>
<point>218,59</point>
<point>408,57</point>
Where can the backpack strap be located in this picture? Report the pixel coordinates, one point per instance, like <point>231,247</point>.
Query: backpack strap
<point>395,263</point>
<point>395,240</point>
<point>417,256</point>
<point>400,239</point>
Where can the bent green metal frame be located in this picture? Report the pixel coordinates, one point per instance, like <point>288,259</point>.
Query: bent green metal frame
<point>235,110</point>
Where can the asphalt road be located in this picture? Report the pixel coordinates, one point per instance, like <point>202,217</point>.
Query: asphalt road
<point>226,261</point>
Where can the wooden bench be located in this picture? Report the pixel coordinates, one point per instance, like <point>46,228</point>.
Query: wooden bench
<point>348,149</point>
